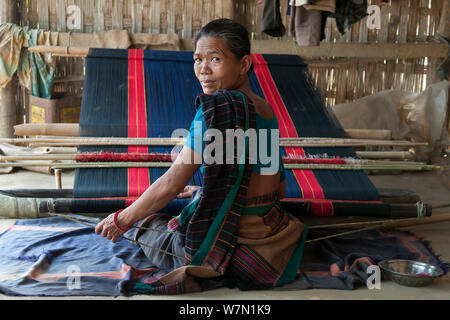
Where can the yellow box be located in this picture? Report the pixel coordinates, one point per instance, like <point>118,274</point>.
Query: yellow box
<point>63,108</point>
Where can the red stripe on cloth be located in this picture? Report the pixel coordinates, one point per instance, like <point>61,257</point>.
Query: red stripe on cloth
<point>306,180</point>
<point>138,178</point>
<point>51,277</point>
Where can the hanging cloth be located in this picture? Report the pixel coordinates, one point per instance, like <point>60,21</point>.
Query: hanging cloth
<point>306,26</point>
<point>271,19</point>
<point>35,71</point>
<point>12,38</point>
<point>322,5</point>
<point>43,66</point>
<point>349,12</point>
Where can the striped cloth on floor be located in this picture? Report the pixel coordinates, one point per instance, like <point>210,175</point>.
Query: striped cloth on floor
<point>57,257</point>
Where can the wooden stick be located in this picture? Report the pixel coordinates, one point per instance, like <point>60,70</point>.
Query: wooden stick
<point>284,142</point>
<point>71,129</point>
<point>360,167</point>
<point>39,157</point>
<point>369,134</point>
<point>56,129</point>
<point>59,150</point>
<point>384,154</point>
<point>442,206</point>
<point>79,141</point>
<point>58,178</point>
<point>332,49</point>
<point>289,166</point>
<point>61,50</point>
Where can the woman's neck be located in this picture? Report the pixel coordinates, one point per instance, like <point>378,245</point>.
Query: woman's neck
<point>245,88</point>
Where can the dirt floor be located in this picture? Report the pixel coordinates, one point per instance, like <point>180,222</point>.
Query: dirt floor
<point>430,186</point>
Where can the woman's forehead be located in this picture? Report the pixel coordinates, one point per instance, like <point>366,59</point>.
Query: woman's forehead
<point>211,45</point>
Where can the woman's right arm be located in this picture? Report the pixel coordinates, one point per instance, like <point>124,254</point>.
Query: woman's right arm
<point>155,198</point>
<point>163,190</point>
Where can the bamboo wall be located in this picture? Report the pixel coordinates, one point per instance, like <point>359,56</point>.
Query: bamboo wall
<point>340,80</point>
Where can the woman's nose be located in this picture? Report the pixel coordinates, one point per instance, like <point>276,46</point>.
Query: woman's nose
<point>204,68</point>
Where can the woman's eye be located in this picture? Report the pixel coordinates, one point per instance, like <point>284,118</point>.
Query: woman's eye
<point>215,59</point>
<point>197,60</point>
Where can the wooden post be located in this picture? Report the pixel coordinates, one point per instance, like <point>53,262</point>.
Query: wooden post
<point>228,9</point>
<point>8,11</point>
<point>8,105</point>
<point>58,178</point>
<point>444,22</point>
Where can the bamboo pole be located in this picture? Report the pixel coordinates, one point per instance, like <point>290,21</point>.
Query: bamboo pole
<point>48,129</point>
<point>360,167</point>
<point>284,142</point>
<point>71,129</point>
<point>369,134</point>
<point>59,150</point>
<point>58,178</point>
<point>288,166</point>
<point>384,154</point>
<point>63,51</point>
<point>39,157</point>
<point>8,109</point>
<point>8,105</point>
<point>387,51</point>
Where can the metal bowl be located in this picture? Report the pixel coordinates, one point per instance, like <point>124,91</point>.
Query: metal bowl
<point>410,273</point>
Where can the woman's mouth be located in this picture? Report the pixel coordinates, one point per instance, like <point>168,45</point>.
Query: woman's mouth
<point>207,83</point>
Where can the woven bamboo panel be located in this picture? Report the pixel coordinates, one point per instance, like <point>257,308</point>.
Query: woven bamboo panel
<point>342,80</point>
<point>184,17</point>
<point>402,21</point>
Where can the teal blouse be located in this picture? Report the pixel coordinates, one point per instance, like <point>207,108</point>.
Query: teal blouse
<point>196,142</point>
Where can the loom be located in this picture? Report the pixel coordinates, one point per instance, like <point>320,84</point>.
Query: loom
<point>150,93</point>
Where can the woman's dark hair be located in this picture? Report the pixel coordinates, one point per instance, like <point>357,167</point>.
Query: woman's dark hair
<point>232,33</point>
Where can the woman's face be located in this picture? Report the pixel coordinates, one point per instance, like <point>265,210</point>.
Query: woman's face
<point>216,67</point>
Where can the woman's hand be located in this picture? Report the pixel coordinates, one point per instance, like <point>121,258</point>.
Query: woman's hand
<point>187,192</point>
<point>108,229</point>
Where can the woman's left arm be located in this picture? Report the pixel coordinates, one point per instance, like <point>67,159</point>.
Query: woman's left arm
<point>155,198</point>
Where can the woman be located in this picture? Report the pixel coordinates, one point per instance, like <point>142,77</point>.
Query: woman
<point>240,203</point>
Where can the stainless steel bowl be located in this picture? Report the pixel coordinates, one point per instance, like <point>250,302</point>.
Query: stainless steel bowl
<point>410,273</point>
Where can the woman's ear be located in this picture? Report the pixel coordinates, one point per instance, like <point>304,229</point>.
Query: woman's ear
<point>246,63</point>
